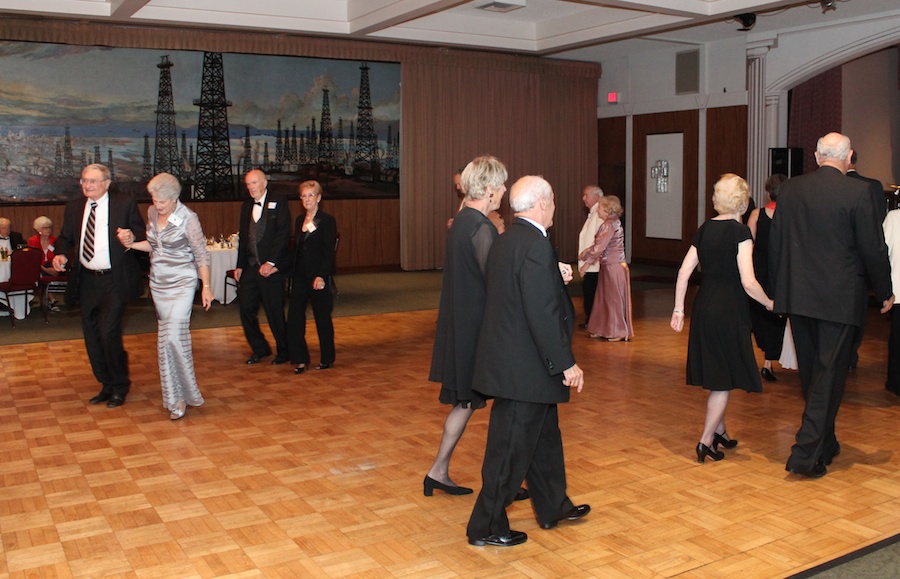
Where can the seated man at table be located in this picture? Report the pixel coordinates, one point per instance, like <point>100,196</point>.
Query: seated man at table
<point>9,239</point>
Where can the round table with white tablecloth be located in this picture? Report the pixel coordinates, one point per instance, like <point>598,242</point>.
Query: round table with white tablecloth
<point>20,304</point>
<point>222,259</point>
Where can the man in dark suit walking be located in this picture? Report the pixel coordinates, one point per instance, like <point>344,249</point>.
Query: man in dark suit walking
<point>104,273</point>
<point>825,239</point>
<point>525,363</point>
<point>262,256</point>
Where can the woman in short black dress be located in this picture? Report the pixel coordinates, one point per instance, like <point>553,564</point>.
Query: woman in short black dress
<point>720,354</point>
<point>461,310</point>
<point>767,326</point>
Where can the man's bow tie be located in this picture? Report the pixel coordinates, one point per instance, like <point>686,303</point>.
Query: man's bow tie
<point>257,203</point>
<point>3,238</point>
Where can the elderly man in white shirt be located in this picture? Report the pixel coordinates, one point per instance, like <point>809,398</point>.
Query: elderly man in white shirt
<point>590,196</point>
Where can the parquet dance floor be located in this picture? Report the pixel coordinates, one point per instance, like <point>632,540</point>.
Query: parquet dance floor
<point>320,475</point>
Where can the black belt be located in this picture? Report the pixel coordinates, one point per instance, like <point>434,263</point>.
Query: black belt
<point>97,272</point>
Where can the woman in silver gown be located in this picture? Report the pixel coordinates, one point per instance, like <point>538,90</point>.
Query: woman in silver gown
<point>178,254</point>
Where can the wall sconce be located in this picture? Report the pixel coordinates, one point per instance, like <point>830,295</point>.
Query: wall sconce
<point>660,172</point>
<point>827,5</point>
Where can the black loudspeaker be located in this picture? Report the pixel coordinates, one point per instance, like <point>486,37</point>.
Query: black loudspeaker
<point>786,161</point>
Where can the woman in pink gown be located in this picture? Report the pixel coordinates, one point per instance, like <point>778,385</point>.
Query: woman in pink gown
<point>611,314</point>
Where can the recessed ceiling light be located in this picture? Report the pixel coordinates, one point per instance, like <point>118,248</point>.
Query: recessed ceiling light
<point>507,6</point>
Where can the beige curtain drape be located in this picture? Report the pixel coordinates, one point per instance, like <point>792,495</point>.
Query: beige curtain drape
<point>539,116</point>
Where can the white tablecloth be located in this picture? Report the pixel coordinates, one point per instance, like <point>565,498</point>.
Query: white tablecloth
<point>222,261</point>
<point>20,304</point>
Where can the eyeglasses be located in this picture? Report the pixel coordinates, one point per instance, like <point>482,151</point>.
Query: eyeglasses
<point>308,196</point>
<point>91,181</point>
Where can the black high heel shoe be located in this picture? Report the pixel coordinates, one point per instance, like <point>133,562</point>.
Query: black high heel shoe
<point>703,451</point>
<point>430,484</point>
<point>720,440</point>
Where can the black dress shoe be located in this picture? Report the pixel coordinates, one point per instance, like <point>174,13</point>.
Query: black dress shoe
<point>817,471</point>
<point>323,366</point>
<point>573,515</point>
<point>508,540</point>
<point>102,397</point>
<point>278,360</point>
<point>768,375</point>
<point>703,451</point>
<point>430,484</point>
<point>522,495</point>
<point>255,358</point>
<point>300,369</point>
<point>723,440</point>
<point>115,401</point>
<point>828,458</point>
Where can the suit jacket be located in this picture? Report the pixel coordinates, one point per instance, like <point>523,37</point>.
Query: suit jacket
<point>126,269</point>
<point>825,238</point>
<point>273,244</point>
<point>876,192</point>
<point>526,337</point>
<point>15,239</point>
<point>314,252</point>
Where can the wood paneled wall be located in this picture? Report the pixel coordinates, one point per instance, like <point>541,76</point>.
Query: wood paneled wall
<point>726,147</point>
<point>612,156</point>
<point>654,250</point>
<point>369,228</point>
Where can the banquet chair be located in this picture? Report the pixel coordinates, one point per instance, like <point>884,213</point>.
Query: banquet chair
<point>51,283</point>
<point>231,281</point>
<point>25,270</point>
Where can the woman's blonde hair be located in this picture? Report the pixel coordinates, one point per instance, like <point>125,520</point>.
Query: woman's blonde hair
<point>480,174</point>
<point>731,194</point>
<point>611,204</point>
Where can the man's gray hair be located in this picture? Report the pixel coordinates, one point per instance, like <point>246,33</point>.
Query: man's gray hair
<point>594,190</point>
<point>525,197</point>
<point>834,151</point>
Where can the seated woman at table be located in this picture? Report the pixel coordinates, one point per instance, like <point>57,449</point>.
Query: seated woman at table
<point>178,254</point>
<point>315,234</point>
<point>44,239</point>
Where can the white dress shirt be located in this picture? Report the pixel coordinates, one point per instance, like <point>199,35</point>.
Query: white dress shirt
<point>586,237</point>
<point>101,259</point>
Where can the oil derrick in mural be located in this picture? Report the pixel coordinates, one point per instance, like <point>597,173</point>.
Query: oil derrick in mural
<point>165,153</point>
<point>279,147</point>
<point>147,169</point>
<point>68,168</point>
<point>366,140</point>
<point>97,154</point>
<point>111,166</point>
<point>246,160</point>
<point>187,162</point>
<point>326,140</point>
<point>213,169</point>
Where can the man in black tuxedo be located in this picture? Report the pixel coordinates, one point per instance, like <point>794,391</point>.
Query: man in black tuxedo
<point>525,363</point>
<point>9,239</point>
<point>825,239</point>
<point>104,274</point>
<point>262,256</point>
<point>876,190</point>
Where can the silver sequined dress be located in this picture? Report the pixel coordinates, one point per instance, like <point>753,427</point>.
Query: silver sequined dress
<point>177,251</point>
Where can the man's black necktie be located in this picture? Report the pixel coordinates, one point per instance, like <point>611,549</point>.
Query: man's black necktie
<point>88,246</point>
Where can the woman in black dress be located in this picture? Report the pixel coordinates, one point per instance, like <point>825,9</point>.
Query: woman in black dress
<point>720,354</point>
<point>461,310</point>
<point>767,327</point>
<point>315,235</point>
